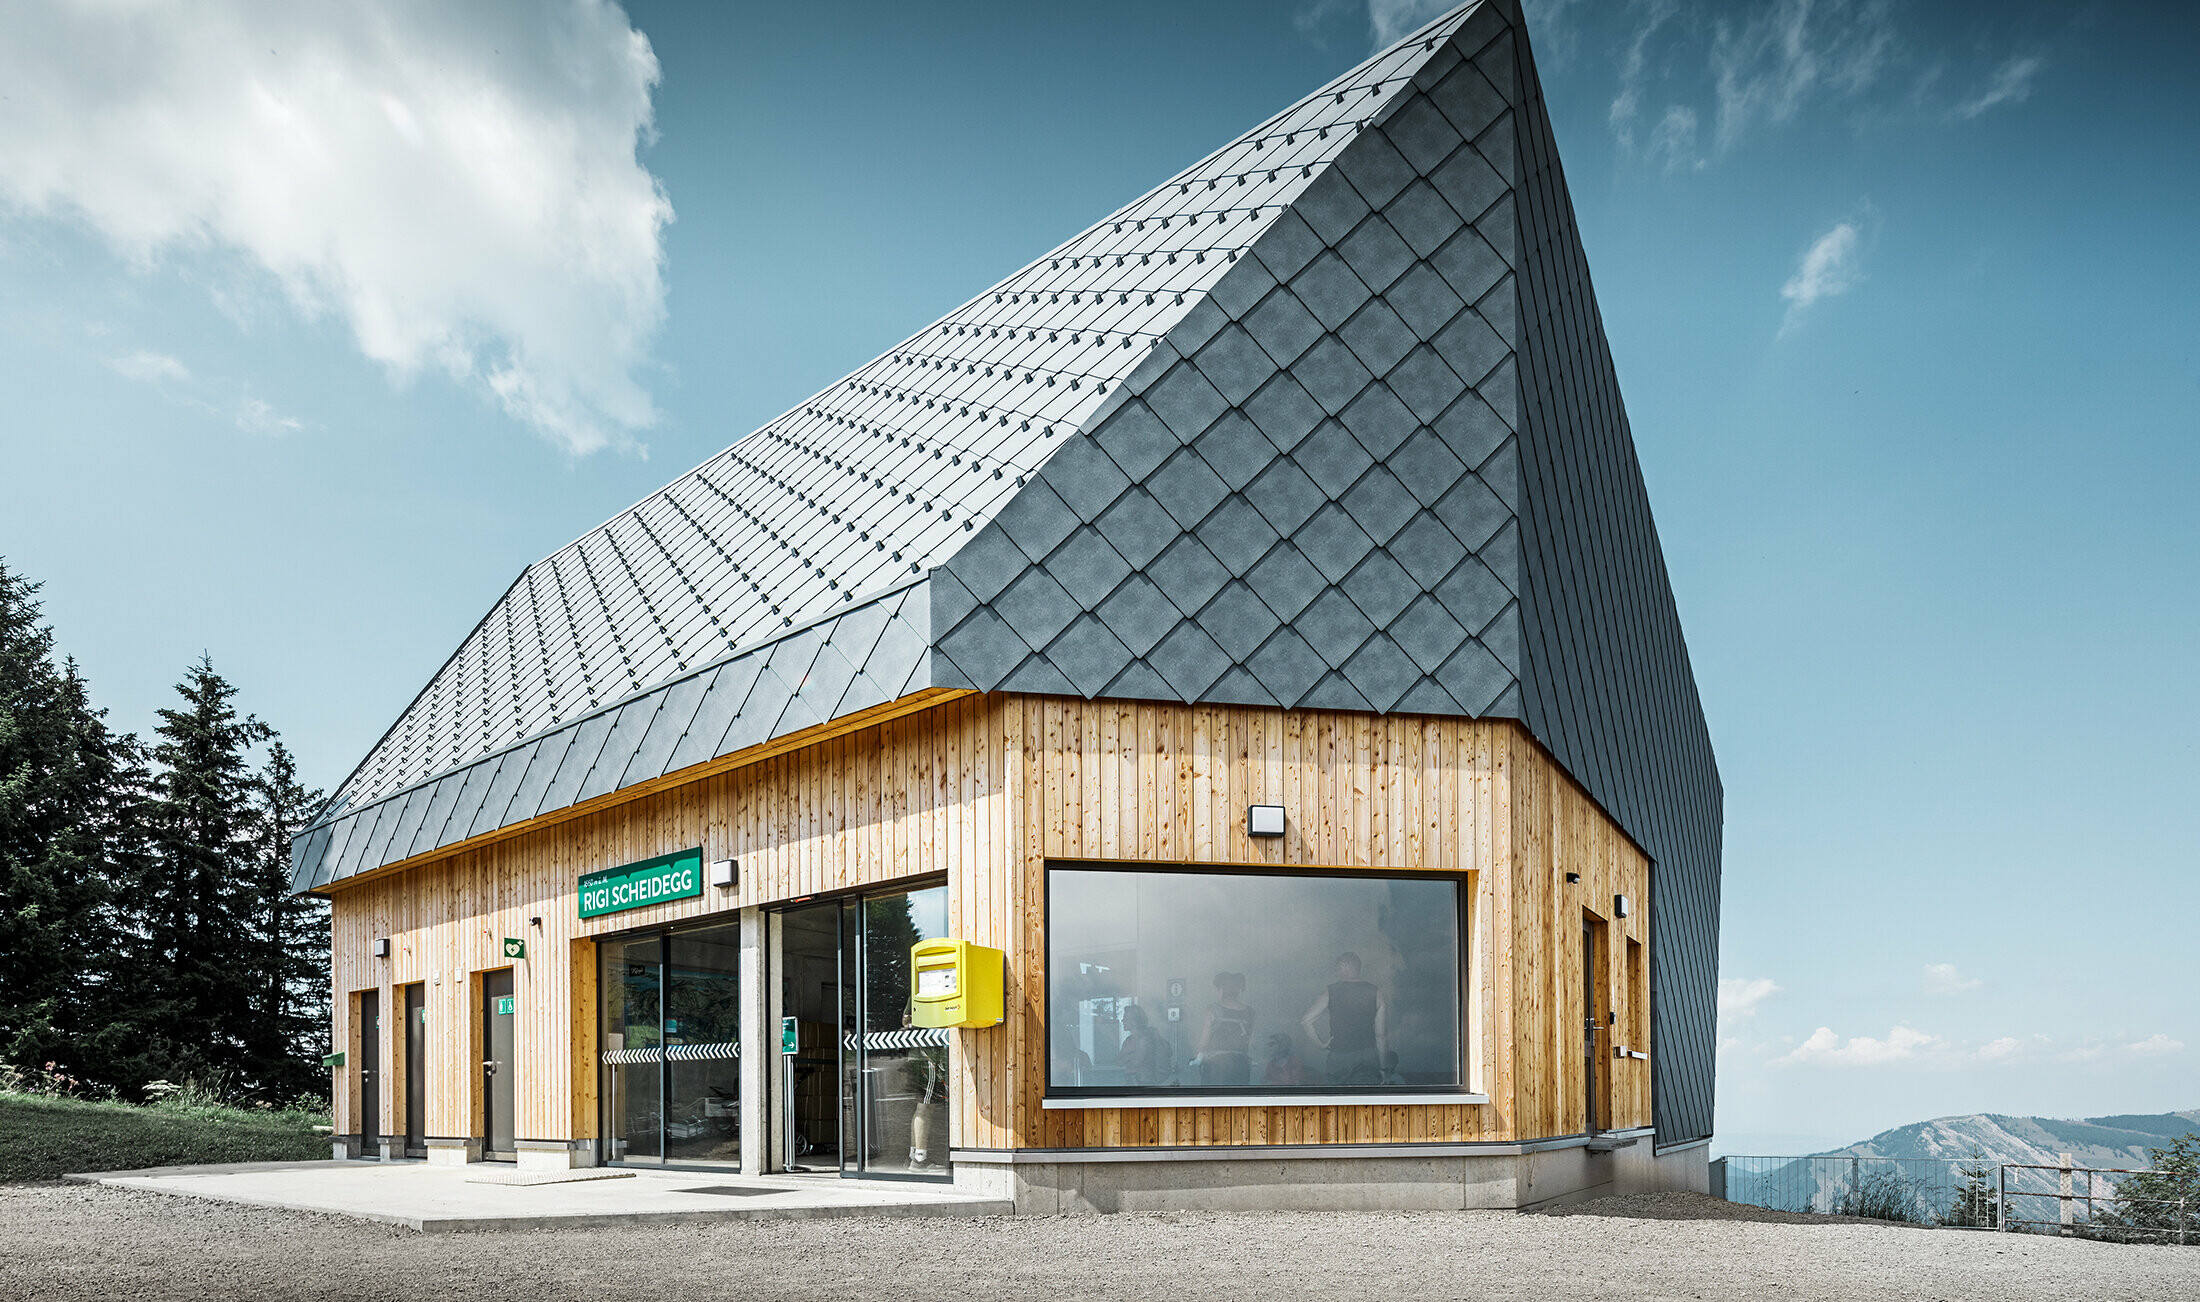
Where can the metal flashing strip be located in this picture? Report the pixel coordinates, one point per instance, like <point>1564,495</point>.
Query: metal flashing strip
<point>1398,1100</point>
<point>1683,1146</point>
<point>1277,1152</point>
<point>1253,1152</point>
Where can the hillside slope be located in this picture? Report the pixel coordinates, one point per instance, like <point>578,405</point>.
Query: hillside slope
<point>2116,1141</point>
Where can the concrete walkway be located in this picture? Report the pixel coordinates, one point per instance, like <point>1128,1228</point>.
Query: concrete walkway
<point>438,1198</point>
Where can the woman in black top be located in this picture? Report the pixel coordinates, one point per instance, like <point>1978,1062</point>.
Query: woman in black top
<point>1226,1041</point>
<point>1356,1012</point>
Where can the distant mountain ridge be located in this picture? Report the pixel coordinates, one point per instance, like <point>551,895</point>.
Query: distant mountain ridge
<point>2116,1141</point>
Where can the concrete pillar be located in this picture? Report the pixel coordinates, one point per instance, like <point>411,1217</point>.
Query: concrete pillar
<point>758,1049</point>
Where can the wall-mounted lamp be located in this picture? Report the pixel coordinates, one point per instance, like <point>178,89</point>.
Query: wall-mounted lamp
<point>1573,879</point>
<point>1619,906</point>
<point>534,922</point>
<point>722,872</point>
<point>1264,820</point>
<point>382,947</point>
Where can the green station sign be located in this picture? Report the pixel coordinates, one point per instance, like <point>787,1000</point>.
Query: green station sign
<point>635,885</point>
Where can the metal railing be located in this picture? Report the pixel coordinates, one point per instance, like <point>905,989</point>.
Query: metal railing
<point>1920,1191</point>
<point>1975,1193</point>
<point>2087,1202</point>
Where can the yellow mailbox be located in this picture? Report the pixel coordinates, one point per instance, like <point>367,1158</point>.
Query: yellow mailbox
<point>958,983</point>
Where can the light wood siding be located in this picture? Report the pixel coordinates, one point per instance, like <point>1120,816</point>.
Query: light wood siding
<point>984,791</point>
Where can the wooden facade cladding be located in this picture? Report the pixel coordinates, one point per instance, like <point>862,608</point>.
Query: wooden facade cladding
<point>982,791</point>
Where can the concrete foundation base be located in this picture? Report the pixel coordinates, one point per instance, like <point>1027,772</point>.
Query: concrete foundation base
<point>1400,1177</point>
<point>548,1155</point>
<point>343,1148</point>
<point>453,1152</point>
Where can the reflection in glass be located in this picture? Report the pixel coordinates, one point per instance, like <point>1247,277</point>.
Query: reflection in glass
<point>702,1045</point>
<point>902,1068</point>
<point>1213,982</point>
<point>632,1050</point>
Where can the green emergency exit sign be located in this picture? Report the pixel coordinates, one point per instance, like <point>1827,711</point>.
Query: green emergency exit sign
<point>790,1035</point>
<point>635,885</point>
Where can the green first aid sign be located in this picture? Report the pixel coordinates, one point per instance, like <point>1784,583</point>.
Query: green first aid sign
<point>652,881</point>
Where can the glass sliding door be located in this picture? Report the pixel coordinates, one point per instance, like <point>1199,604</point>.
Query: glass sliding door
<point>861,1089</point>
<point>900,1070</point>
<point>671,1090</point>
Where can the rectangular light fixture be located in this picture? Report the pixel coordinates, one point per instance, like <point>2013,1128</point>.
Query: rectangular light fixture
<point>382,947</point>
<point>1264,820</point>
<point>722,872</point>
<point>1619,906</point>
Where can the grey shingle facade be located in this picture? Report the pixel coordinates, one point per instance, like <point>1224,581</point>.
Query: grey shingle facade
<point>1326,421</point>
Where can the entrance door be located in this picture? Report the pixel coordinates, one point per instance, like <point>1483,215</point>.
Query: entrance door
<point>859,1089</point>
<point>370,1072</point>
<point>498,1068</point>
<point>813,1017</point>
<point>416,1070</point>
<point>1597,1019</point>
<point>901,1071</point>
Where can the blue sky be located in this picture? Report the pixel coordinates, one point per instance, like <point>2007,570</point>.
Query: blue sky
<point>309,351</point>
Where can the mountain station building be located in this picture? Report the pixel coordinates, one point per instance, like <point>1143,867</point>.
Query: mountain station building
<point>1242,632</point>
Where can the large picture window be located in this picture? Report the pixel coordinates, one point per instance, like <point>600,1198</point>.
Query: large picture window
<point>1167,981</point>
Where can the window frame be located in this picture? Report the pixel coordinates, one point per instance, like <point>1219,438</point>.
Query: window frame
<point>1070,1097</point>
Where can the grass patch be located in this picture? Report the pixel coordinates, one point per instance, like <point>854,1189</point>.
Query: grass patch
<point>43,1138</point>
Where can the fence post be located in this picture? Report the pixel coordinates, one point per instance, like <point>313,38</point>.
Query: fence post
<point>2180,1222</point>
<point>2001,1200</point>
<point>2067,1208</point>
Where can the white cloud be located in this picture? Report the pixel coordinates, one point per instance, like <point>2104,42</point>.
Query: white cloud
<point>2154,1045</point>
<point>228,400</point>
<point>256,417</point>
<point>1390,21</point>
<point>1828,267</point>
<point>1674,138</point>
<point>1901,1045</point>
<point>149,368</point>
<point>1625,105</point>
<point>457,183</point>
<point>1764,70</point>
<point>2011,84</point>
<point>1740,996</point>
<point>1943,979</point>
<point>2000,1050</point>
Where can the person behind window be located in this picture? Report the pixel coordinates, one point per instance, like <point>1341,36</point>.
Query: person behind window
<point>1226,1042</point>
<point>1283,1066</point>
<point>1356,1012</point>
<point>1144,1059</point>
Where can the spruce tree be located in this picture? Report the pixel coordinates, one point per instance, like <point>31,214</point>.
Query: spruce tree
<point>64,826</point>
<point>290,940</point>
<point>196,985</point>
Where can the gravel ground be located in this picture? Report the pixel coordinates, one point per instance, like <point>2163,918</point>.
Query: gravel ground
<point>61,1243</point>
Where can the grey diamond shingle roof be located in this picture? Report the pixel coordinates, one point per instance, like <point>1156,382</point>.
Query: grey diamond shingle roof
<point>874,480</point>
